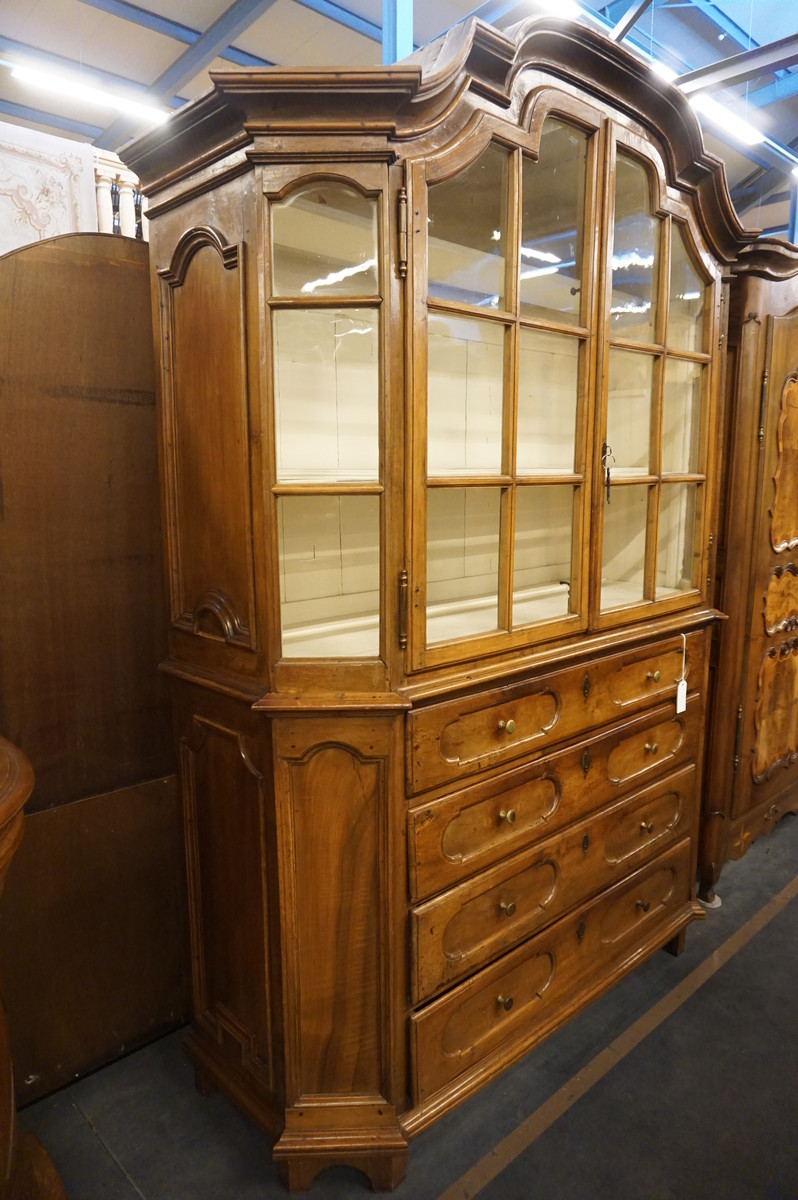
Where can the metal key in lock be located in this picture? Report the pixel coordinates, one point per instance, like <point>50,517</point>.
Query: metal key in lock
<point>607,462</point>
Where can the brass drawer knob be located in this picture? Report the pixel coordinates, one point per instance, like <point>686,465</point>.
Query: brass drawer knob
<point>645,905</point>
<point>507,726</point>
<point>508,816</point>
<point>652,747</point>
<point>646,826</point>
<point>507,909</point>
<point>655,675</point>
<point>505,1002</point>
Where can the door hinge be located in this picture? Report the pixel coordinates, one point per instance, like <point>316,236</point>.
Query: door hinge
<point>738,738</point>
<point>401,225</point>
<point>403,593</point>
<point>762,403</point>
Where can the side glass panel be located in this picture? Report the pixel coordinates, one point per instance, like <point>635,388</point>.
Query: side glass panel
<point>681,416</point>
<point>329,575</point>
<point>326,380</point>
<point>687,290</point>
<point>324,243</point>
<point>464,396</point>
<point>542,559</point>
<point>677,562</point>
<point>629,411</point>
<point>624,546</point>
<point>462,562</point>
<point>548,374</point>
<point>467,232</point>
<point>635,255</point>
<point>552,222</point>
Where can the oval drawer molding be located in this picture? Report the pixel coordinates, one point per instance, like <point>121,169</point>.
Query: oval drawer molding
<point>643,904</point>
<point>563,964</point>
<point>465,831</point>
<point>645,752</point>
<point>522,808</point>
<point>470,737</point>
<point>457,738</point>
<point>482,1019</point>
<point>529,891</point>
<point>469,924</point>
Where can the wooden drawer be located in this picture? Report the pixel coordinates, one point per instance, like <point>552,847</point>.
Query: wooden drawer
<point>454,739</point>
<point>467,830</point>
<point>472,923</point>
<point>525,994</point>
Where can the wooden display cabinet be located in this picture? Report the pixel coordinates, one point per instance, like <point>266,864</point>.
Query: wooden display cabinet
<point>753,776</point>
<point>439,411</point>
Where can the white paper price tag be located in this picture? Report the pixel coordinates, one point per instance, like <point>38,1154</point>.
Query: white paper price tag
<point>681,695</point>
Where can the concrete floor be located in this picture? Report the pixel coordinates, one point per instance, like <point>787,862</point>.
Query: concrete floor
<point>680,1084</point>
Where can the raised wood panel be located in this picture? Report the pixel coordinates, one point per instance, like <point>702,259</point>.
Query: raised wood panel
<point>784,514</point>
<point>225,799</point>
<point>776,711</point>
<point>206,411</point>
<point>337,800</point>
<point>780,607</point>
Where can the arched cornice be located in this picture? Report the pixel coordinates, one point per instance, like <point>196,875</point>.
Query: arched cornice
<point>769,257</point>
<point>255,113</point>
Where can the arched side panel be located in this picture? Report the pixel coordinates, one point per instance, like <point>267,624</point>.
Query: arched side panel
<point>205,418</point>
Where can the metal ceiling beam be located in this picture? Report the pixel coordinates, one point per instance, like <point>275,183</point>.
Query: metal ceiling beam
<point>722,21</point>
<point>22,112</point>
<point>629,20</point>
<point>173,29</point>
<point>350,20</point>
<point>33,56</point>
<point>225,29</point>
<point>728,71</point>
<point>397,30</point>
<point>780,89</point>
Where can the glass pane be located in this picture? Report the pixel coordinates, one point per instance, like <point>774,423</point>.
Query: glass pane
<point>326,389</point>
<point>629,411</point>
<point>465,370</point>
<point>624,547</point>
<point>635,255</point>
<point>542,560</point>
<point>329,575</point>
<point>467,232</point>
<point>686,311</point>
<point>548,372</point>
<point>553,190</point>
<point>462,562</point>
<point>681,416</point>
<point>677,560</point>
<point>324,243</point>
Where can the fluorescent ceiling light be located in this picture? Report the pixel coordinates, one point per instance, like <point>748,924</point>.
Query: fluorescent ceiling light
<point>726,120</point>
<point>65,85</point>
<point>562,8</point>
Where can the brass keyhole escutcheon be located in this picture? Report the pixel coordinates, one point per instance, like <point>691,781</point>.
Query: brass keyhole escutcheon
<point>652,747</point>
<point>646,826</point>
<point>580,930</point>
<point>586,762</point>
<point>645,905</point>
<point>507,909</point>
<point>585,843</point>
<point>508,816</point>
<point>507,726</point>
<point>655,675</point>
<point>505,1002</point>
<point>586,686</point>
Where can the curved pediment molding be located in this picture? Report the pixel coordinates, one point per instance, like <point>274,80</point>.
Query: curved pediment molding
<point>188,245</point>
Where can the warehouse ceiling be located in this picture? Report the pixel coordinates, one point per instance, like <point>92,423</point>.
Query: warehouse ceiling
<point>741,54</point>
